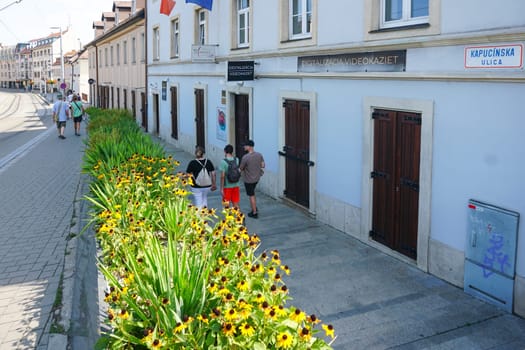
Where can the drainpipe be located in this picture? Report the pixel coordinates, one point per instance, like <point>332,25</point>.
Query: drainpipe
<point>96,76</point>
<point>146,61</point>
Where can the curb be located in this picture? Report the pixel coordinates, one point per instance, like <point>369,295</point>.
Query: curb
<point>59,341</point>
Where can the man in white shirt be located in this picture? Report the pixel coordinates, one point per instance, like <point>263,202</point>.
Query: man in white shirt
<point>61,115</point>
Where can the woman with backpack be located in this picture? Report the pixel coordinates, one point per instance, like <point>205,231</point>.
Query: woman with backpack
<point>203,173</point>
<point>77,109</point>
<point>230,176</point>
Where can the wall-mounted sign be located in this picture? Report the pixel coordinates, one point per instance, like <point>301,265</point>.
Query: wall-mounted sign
<point>384,61</point>
<point>164,89</point>
<point>203,53</point>
<point>240,70</point>
<point>500,56</point>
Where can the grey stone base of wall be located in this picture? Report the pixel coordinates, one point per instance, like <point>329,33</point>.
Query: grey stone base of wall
<point>444,261</point>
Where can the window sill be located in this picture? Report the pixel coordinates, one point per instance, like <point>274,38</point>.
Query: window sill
<point>293,40</point>
<point>400,28</point>
<point>239,48</point>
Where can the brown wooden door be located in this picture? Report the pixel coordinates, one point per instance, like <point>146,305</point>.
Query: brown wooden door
<point>174,115</point>
<point>397,146</point>
<point>106,93</point>
<point>143,111</point>
<point>156,113</point>
<point>134,104</point>
<point>297,151</point>
<point>242,124</point>
<point>118,98</point>
<point>199,118</point>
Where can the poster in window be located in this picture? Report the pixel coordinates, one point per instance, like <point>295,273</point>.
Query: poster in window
<point>221,124</point>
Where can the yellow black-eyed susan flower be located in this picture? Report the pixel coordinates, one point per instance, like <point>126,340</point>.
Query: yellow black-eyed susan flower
<point>203,318</point>
<point>156,344</point>
<point>286,269</point>
<point>230,315</point>
<point>281,310</point>
<point>123,314</point>
<point>297,315</point>
<point>329,330</point>
<point>284,340</point>
<point>179,327</point>
<point>228,329</point>
<point>277,277</point>
<point>259,298</point>
<point>215,313</point>
<point>242,286</point>
<point>305,333</point>
<point>313,319</point>
<point>247,329</point>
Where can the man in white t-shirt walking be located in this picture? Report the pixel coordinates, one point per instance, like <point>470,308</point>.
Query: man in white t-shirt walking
<point>61,115</point>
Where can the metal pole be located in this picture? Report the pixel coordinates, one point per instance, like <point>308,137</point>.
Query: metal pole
<point>62,78</point>
<point>62,62</point>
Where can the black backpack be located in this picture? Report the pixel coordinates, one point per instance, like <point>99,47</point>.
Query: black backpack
<point>233,173</point>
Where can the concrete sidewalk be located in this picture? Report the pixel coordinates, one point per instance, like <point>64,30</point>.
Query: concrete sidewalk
<point>38,186</point>
<point>374,301</point>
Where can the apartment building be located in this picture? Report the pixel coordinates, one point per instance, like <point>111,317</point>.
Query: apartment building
<point>382,118</point>
<point>117,58</point>
<point>7,65</point>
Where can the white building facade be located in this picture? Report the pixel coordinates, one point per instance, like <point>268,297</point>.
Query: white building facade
<point>117,59</point>
<point>381,118</point>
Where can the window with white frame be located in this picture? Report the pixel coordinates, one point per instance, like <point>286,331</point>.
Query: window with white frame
<point>118,54</point>
<point>142,47</point>
<point>243,23</point>
<point>112,55</point>
<point>175,39</point>
<point>300,19</point>
<point>125,52</point>
<point>106,56</point>
<point>201,15</point>
<point>156,44</point>
<point>133,50</point>
<point>395,13</point>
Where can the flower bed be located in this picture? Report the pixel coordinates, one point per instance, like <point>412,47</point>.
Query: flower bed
<point>180,277</point>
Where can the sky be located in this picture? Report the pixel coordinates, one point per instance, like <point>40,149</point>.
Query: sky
<point>32,19</point>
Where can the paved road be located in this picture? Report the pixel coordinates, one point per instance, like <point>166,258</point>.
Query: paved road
<point>39,177</point>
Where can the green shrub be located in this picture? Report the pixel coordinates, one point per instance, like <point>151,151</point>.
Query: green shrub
<point>180,277</point>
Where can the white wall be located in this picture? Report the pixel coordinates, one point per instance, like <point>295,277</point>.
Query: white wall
<point>477,143</point>
<point>474,15</point>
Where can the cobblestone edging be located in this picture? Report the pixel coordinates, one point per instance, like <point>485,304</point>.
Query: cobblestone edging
<point>61,320</point>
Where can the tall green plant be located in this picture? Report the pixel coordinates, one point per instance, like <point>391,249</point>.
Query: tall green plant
<point>180,277</point>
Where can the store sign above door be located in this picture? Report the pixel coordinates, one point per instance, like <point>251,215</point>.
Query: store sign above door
<point>240,70</point>
<point>383,61</point>
<point>501,56</point>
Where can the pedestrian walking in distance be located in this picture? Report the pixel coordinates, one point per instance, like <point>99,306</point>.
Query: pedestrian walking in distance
<point>230,178</point>
<point>204,180</point>
<point>61,115</point>
<point>77,109</point>
<point>252,168</point>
